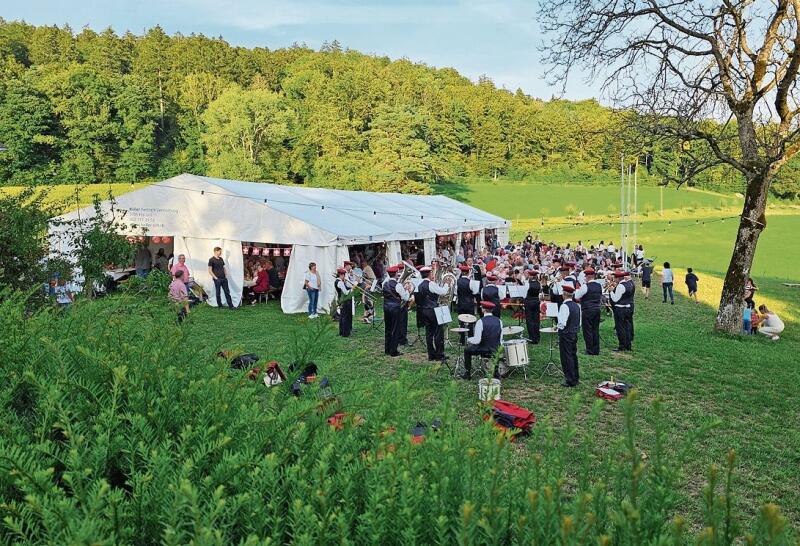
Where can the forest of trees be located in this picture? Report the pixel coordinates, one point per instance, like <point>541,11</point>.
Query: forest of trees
<point>92,107</point>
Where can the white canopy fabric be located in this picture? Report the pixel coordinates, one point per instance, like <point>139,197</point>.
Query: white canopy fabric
<point>204,212</point>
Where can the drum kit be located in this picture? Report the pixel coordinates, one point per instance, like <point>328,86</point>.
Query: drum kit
<point>515,351</point>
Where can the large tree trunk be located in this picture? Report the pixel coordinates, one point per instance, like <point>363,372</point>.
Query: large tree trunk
<point>751,224</point>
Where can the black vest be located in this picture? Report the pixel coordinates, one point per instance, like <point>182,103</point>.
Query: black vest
<point>534,287</point>
<point>465,301</point>
<point>390,295</point>
<point>426,298</point>
<point>594,294</point>
<point>574,320</point>
<point>490,335</point>
<point>627,297</point>
<point>492,294</point>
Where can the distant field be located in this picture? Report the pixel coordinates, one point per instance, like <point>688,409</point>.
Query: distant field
<point>66,193</point>
<point>517,200</point>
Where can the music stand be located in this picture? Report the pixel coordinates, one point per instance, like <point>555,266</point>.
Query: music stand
<point>550,367</point>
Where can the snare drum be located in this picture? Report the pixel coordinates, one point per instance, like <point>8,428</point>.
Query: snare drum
<point>516,353</point>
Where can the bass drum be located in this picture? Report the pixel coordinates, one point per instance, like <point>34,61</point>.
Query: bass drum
<point>516,355</point>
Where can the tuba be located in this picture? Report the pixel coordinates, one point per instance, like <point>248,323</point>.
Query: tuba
<point>409,272</point>
<point>446,279</point>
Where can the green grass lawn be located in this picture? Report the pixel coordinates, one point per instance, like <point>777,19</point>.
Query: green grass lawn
<point>747,386</point>
<point>516,200</point>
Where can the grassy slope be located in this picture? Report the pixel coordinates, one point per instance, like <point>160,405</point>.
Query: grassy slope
<point>747,384</point>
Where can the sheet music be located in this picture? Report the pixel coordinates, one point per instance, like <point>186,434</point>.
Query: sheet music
<point>552,309</point>
<point>475,286</point>
<point>502,291</point>
<point>517,291</point>
<point>442,314</point>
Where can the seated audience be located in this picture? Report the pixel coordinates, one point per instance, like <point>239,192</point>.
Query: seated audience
<point>179,295</point>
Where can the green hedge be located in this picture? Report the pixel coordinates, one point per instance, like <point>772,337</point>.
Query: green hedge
<point>115,428</point>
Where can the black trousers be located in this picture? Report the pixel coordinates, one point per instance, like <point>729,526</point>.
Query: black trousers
<point>623,325</point>
<point>402,326</point>
<point>556,298</point>
<point>434,335</point>
<point>471,350</point>
<point>568,351</point>
<point>497,310</point>
<point>532,321</point>
<point>346,318</point>
<point>391,319</point>
<point>590,323</point>
<point>223,283</point>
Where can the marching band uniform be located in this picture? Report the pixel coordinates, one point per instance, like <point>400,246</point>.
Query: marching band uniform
<point>556,292</point>
<point>590,296</point>
<point>492,293</point>
<point>465,299</point>
<point>622,298</point>
<point>394,294</point>
<point>569,322</point>
<point>531,306</point>
<point>345,305</point>
<point>429,293</point>
<point>487,337</point>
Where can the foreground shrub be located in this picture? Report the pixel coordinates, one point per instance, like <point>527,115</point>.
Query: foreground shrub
<point>117,429</point>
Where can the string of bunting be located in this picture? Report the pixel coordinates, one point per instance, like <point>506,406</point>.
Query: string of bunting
<point>260,251</point>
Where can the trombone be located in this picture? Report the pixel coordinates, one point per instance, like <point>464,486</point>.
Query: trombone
<point>355,286</point>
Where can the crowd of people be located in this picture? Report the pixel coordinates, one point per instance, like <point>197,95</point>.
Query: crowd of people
<point>590,278</point>
<point>582,281</point>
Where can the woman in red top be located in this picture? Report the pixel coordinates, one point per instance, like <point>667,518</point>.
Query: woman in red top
<point>262,283</point>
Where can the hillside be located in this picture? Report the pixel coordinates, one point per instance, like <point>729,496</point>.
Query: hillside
<point>92,107</point>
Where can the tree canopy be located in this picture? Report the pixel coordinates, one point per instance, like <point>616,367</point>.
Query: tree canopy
<point>99,107</point>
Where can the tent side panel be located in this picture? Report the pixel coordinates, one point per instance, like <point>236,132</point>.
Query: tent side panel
<point>294,299</point>
<point>198,251</point>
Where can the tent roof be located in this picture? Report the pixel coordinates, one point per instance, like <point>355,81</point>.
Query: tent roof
<point>201,206</point>
<point>356,215</point>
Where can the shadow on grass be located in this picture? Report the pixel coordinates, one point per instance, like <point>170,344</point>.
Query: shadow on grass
<point>453,190</point>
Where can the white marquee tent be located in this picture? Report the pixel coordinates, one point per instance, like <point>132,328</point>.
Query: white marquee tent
<point>201,213</point>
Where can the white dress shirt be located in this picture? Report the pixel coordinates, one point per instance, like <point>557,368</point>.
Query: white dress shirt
<point>618,292</point>
<point>343,286</point>
<point>400,289</point>
<point>580,292</point>
<point>437,288</point>
<point>563,316</point>
<point>478,332</point>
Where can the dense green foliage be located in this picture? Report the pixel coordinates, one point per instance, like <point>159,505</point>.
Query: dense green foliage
<point>89,107</point>
<point>119,428</point>
<point>23,243</point>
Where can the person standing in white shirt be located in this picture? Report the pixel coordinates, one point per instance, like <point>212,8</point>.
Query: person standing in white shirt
<point>667,278</point>
<point>311,284</point>
<point>569,323</point>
